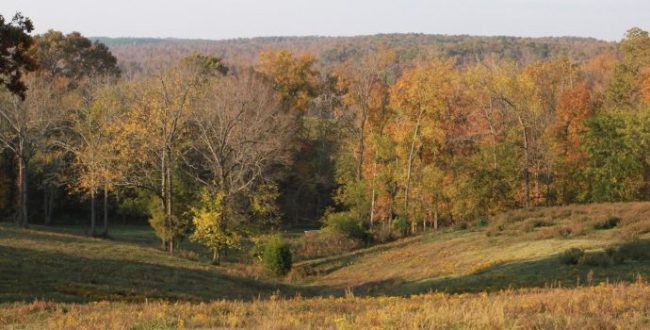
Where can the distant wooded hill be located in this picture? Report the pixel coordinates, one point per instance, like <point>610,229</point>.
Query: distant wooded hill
<point>145,52</point>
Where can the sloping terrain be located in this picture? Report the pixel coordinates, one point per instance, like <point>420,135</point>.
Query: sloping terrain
<point>518,249</point>
<point>515,249</point>
<point>509,269</point>
<point>64,266</point>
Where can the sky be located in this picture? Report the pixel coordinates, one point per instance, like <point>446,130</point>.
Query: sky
<point>226,19</point>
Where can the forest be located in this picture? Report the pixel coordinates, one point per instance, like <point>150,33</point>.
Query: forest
<point>385,142</point>
<point>389,181</point>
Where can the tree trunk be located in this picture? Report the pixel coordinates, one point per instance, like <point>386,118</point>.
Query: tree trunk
<point>216,256</point>
<point>524,130</point>
<point>372,203</point>
<point>413,226</point>
<point>168,195</point>
<point>435,219</point>
<point>409,167</point>
<point>361,143</point>
<point>48,201</point>
<point>93,216</point>
<point>105,230</point>
<point>21,184</point>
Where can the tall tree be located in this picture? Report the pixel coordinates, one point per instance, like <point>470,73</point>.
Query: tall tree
<point>421,97</point>
<point>151,137</point>
<point>23,128</point>
<point>14,60</point>
<point>297,84</point>
<point>242,142</point>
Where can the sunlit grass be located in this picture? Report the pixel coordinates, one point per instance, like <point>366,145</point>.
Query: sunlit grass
<point>506,274</point>
<point>624,306</point>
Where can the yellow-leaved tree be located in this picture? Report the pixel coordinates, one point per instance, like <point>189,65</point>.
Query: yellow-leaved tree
<point>213,224</point>
<point>422,99</point>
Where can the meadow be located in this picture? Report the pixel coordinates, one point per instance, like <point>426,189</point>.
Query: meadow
<point>606,306</point>
<point>506,272</point>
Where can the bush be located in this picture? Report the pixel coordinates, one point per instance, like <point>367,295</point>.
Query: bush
<point>324,243</point>
<point>461,226</point>
<point>610,223</point>
<point>344,223</point>
<point>571,256</point>
<point>565,232</point>
<point>599,259</point>
<point>382,234</point>
<point>401,226</point>
<point>277,256</point>
<point>534,223</point>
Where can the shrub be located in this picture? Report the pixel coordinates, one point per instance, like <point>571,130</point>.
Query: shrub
<point>382,234</point>
<point>565,232</point>
<point>534,223</point>
<point>277,256</point>
<point>344,223</point>
<point>461,226</point>
<point>599,259</point>
<point>324,243</point>
<point>482,222</point>
<point>571,230</point>
<point>610,223</point>
<point>571,256</point>
<point>401,226</point>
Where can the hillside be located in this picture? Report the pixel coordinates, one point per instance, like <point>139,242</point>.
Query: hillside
<point>513,250</point>
<point>517,252</point>
<point>66,266</point>
<point>143,52</point>
<point>516,249</point>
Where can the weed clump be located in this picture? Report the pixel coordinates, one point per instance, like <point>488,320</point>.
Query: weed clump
<point>324,243</point>
<point>609,223</point>
<point>461,226</point>
<point>534,223</point>
<point>572,256</point>
<point>596,259</point>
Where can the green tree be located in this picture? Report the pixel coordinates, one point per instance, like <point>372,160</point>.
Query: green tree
<point>14,59</point>
<point>614,171</point>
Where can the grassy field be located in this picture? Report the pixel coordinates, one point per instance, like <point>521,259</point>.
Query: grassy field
<point>64,266</point>
<point>515,250</point>
<point>600,307</point>
<point>503,273</point>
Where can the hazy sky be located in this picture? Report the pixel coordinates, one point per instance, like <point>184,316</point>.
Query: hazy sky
<point>221,19</point>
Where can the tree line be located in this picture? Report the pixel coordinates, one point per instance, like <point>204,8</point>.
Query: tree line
<point>376,146</point>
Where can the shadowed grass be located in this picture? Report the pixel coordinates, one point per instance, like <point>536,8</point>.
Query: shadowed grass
<point>67,267</point>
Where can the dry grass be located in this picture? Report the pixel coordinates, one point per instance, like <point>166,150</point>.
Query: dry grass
<point>516,249</point>
<point>509,274</point>
<point>63,266</point>
<point>618,306</point>
<point>582,219</point>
